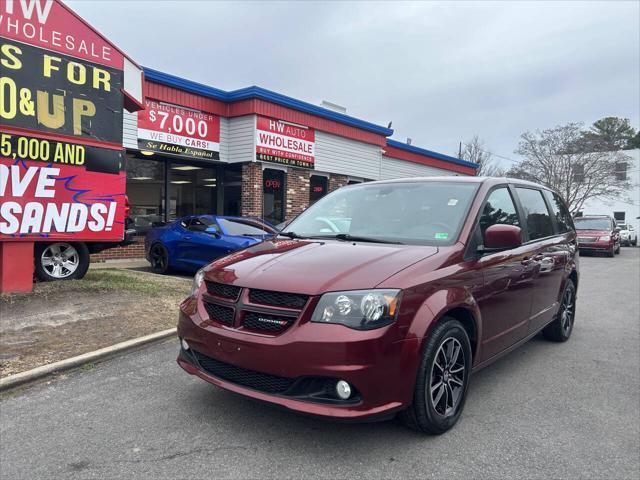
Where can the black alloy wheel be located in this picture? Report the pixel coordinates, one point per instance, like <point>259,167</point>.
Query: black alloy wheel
<point>560,329</point>
<point>159,258</point>
<point>442,381</point>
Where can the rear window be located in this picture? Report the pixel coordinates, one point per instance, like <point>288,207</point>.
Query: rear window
<point>536,213</point>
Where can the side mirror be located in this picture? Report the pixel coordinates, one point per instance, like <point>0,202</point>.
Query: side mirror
<point>501,237</point>
<point>213,231</point>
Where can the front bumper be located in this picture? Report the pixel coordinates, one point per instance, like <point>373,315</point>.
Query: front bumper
<point>596,246</point>
<point>380,367</point>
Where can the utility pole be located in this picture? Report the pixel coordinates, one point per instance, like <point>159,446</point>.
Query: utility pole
<point>460,151</point>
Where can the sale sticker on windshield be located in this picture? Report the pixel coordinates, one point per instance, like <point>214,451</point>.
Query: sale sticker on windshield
<point>177,130</point>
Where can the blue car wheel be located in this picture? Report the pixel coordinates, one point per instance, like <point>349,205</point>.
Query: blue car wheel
<point>159,257</point>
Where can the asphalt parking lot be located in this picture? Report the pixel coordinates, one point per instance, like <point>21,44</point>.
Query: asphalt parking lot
<point>545,411</point>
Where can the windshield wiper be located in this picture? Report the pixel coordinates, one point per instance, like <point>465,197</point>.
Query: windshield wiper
<point>356,238</point>
<point>291,235</point>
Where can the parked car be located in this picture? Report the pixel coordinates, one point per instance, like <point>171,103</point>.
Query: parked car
<point>191,242</point>
<point>628,235</point>
<point>67,260</point>
<point>427,281</point>
<point>598,233</point>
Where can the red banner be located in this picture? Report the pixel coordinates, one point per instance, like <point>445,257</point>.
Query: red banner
<point>284,143</point>
<point>178,130</point>
<point>51,25</point>
<point>41,201</point>
<point>61,102</point>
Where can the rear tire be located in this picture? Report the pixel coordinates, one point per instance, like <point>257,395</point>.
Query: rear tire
<point>159,258</point>
<point>617,252</point>
<point>611,253</point>
<point>61,261</point>
<point>560,329</point>
<point>443,379</point>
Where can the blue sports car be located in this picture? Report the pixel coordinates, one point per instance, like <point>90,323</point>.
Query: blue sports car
<point>190,243</point>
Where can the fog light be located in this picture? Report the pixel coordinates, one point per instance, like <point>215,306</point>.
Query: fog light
<point>185,345</point>
<point>343,390</point>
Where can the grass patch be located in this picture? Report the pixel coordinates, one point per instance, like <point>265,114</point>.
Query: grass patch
<point>88,366</point>
<point>103,280</point>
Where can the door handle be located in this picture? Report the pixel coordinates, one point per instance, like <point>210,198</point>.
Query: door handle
<point>186,237</point>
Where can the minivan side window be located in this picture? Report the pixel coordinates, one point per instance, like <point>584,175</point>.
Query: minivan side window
<point>536,213</point>
<point>499,209</point>
<point>561,212</point>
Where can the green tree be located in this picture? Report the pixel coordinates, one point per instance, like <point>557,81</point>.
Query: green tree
<point>609,134</point>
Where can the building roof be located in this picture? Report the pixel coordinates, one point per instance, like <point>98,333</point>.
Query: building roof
<point>413,153</point>
<point>261,94</point>
<point>428,153</point>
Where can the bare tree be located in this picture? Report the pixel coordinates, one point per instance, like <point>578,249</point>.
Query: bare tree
<point>474,151</point>
<point>552,158</point>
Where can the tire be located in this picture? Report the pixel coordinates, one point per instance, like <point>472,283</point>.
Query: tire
<point>159,258</point>
<point>617,251</point>
<point>429,413</point>
<point>611,252</point>
<point>61,261</point>
<point>560,329</point>
<point>635,242</point>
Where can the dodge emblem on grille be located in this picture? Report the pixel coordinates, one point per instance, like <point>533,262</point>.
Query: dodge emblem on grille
<point>273,321</point>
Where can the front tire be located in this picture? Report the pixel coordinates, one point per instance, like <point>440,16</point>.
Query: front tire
<point>61,261</point>
<point>442,381</point>
<point>560,329</point>
<point>159,258</point>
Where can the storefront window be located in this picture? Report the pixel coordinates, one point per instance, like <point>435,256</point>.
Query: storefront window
<point>318,187</point>
<point>193,190</point>
<point>232,189</point>
<point>145,190</point>
<point>273,195</point>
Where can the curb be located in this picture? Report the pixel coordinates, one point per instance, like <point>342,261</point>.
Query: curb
<point>39,372</point>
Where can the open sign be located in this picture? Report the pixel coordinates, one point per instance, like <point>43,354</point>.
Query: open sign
<point>272,183</point>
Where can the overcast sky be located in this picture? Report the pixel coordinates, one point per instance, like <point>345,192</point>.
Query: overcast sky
<point>441,71</point>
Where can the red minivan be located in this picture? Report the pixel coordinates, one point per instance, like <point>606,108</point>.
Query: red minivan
<point>384,297</point>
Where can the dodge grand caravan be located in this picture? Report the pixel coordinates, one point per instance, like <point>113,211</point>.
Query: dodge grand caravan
<point>384,297</point>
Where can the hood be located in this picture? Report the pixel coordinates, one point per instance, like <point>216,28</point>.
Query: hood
<point>313,267</point>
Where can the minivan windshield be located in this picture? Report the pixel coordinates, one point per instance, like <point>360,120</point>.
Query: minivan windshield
<point>592,223</point>
<point>417,213</point>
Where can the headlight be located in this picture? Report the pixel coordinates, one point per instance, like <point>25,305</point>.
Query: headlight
<point>197,281</point>
<point>359,309</point>
<point>605,238</point>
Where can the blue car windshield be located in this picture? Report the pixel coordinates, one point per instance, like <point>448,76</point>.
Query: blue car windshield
<point>416,213</point>
<point>244,227</point>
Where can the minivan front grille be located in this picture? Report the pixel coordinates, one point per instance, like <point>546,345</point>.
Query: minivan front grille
<point>587,239</point>
<point>243,376</point>
<point>278,299</point>
<point>223,290</point>
<point>220,313</point>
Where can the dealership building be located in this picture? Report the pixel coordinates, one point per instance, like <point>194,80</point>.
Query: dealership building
<point>197,149</point>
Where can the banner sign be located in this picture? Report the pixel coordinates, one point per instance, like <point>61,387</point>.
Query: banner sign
<point>50,25</point>
<point>60,95</point>
<point>177,130</point>
<point>59,201</point>
<point>61,102</point>
<point>284,143</point>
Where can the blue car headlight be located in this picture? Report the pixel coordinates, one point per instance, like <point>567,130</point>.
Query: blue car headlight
<point>358,309</point>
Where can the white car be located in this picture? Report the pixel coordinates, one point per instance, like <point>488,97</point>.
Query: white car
<point>628,235</point>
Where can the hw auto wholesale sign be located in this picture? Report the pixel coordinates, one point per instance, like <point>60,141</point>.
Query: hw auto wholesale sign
<point>61,100</point>
<point>284,143</point>
<point>177,130</point>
